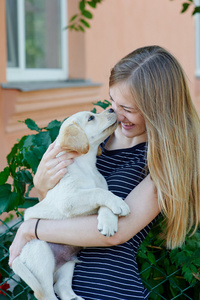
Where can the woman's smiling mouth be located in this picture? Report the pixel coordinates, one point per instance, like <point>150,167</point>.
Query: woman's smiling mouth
<point>127,125</point>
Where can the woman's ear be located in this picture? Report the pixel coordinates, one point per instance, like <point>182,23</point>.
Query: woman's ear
<point>73,138</point>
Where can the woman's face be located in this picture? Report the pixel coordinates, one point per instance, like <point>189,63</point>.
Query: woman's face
<point>132,121</point>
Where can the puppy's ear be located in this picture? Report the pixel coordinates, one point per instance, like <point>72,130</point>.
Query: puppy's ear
<point>99,151</point>
<point>73,138</point>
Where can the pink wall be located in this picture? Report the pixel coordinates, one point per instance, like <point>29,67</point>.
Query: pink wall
<point>121,26</point>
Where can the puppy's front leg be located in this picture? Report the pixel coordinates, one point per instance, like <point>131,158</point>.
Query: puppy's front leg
<point>107,221</point>
<point>90,200</point>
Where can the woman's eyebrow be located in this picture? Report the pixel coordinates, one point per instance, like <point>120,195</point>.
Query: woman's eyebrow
<point>124,106</point>
<point>111,97</point>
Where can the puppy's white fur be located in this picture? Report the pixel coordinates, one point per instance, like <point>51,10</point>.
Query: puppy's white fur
<point>83,190</point>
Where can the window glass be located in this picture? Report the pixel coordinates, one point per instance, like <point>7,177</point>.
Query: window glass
<point>42,31</point>
<point>12,33</point>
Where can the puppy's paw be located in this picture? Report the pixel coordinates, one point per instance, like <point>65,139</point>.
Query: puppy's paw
<point>125,210</point>
<point>120,208</point>
<point>107,222</point>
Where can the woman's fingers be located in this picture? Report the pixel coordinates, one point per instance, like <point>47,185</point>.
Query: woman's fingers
<point>52,168</point>
<point>24,234</point>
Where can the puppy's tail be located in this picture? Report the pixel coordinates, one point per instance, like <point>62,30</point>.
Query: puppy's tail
<point>22,271</point>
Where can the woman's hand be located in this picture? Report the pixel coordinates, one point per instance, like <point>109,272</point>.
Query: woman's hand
<point>25,233</point>
<point>51,169</point>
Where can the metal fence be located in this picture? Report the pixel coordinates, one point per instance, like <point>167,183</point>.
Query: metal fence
<point>162,271</point>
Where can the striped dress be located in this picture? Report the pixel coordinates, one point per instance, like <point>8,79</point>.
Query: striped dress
<point>112,273</point>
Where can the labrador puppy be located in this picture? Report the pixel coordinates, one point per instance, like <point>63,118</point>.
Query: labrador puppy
<point>48,268</point>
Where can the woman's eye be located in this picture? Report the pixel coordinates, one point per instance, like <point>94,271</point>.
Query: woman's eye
<point>91,118</point>
<point>126,110</point>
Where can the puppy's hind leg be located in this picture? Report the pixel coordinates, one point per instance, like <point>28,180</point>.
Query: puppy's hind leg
<point>35,266</point>
<point>63,282</point>
<point>22,271</point>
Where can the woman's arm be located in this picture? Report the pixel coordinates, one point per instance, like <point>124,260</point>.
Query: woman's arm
<point>82,231</point>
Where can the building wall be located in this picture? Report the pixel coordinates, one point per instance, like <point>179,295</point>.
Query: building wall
<point>118,27</point>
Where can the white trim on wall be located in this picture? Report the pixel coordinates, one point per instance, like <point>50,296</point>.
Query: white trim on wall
<point>197,40</point>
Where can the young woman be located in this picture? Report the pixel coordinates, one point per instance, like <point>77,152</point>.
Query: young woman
<point>159,133</point>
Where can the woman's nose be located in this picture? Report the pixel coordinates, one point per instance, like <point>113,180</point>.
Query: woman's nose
<point>120,117</point>
<point>115,107</point>
<point>118,111</point>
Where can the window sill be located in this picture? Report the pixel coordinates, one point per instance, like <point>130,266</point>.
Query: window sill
<point>29,86</point>
<point>45,101</point>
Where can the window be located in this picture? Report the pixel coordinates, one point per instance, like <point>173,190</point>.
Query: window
<point>197,37</point>
<point>36,40</point>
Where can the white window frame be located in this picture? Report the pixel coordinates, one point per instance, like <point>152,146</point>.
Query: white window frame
<point>197,39</point>
<point>21,73</point>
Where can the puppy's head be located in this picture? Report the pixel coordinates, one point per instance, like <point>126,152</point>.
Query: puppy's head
<point>85,129</point>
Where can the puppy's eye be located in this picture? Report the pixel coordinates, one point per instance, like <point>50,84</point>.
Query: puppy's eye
<point>91,118</point>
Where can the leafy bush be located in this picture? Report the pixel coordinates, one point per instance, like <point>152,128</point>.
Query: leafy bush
<point>170,274</point>
<point>167,274</point>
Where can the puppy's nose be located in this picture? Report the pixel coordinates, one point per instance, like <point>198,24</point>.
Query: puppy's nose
<point>110,110</point>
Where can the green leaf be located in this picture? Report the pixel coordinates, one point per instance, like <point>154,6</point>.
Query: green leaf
<point>12,154</point>
<point>32,125</point>
<point>73,18</point>
<point>53,128</point>
<point>29,189</point>
<point>39,151</point>
<point>185,7</point>
<point>19,184</point>
<point>11,157</point>
<point>43,139</point>
<point>18,292</point>
<point>94,110</point>
<point>87,14</point>
<point>26,176</point>
<point>54,133</point>
<point>93,4</point>
<point>29,141</point>
<point>193,268</point>
<point>188,275</point>
<point>86,24</point>
<point>4,175</point>
<point>53,124</point>
<point>146,270</point>
<point>8,199</point>
<point>103,104</point>
<point>196,10</point>
<point>151,257</point>
<point>81,28</point>
<point>82,5</point>
<point>32,160</point>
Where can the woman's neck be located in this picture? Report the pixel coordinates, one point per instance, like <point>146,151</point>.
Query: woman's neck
<point>119,141</point>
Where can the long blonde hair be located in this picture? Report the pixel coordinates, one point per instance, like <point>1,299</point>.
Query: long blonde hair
<point>159,88</point>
